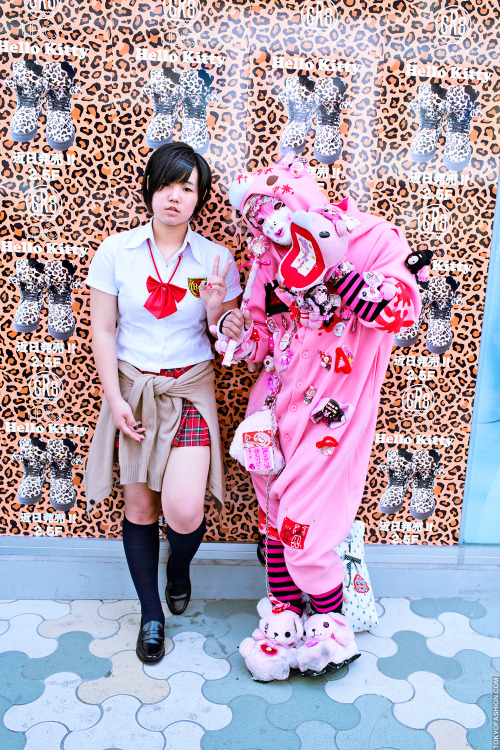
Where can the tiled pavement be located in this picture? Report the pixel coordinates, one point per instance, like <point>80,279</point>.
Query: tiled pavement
<point>70,679</point>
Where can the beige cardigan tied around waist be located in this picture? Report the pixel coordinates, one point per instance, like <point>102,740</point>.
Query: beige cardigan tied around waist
<point>156,401</point>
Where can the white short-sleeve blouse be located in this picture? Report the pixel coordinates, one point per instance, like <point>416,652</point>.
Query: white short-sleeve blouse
<point>121,267</point>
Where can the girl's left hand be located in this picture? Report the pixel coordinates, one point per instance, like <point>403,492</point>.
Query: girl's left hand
<point>213,291</point>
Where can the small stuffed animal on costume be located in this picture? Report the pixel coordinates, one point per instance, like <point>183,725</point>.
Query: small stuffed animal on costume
<point>328,644</point>
<point>418,263</point>
<point>271,653</point>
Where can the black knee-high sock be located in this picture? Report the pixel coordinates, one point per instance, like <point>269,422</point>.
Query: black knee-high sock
<point>142,550</point>
<point>183,548</point>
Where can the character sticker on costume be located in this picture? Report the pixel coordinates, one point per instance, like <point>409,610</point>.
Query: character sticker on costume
<point>294,534</point>
<point>194,286</point>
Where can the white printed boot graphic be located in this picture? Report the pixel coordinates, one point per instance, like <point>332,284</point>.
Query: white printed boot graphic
<point>27,83</point>
<point>299,101</point>
<point>165,92</point>
<point>196,92</point>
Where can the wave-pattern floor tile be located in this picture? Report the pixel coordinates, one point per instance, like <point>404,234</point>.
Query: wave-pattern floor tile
<point>46,608</point>
<point>490,623</point>
<point>398,615</point>
<point>414,656</point>
<point>314,735</point>
<point>250,728</point>
<point>117,609</point>
<point>118,728</point>
<point>185,735</point>
<point>448,735</point>
<point>476,678</point>
<point>375,645</point>
<point>378,728</point>
<point>124,639</point>
<point>309,693</point>
<point>364,678</point>
<point>196,621</point>
<point>84,617</point>
<point>188,654</point>
<point>224,608</point>
<point>9,740</point>
<point>45,736</point>
<point>13,684</point>
<point>435,607</point>
<point>240,625</point>
<point>458,636</point>
<point>431,702</point>
<point>23,635</point>
<point>127,677</point>
<point>58,703</point>
<point>72,655</point>
<point>240,682</point>
<point>481,739</point>
<point>4,626</point>
<point>184,703</point>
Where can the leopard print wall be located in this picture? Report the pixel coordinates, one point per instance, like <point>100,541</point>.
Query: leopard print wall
<point>61,205</point>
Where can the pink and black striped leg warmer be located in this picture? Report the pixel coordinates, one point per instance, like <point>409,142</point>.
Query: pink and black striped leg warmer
<point>280,582</point>
<point>329,602</point>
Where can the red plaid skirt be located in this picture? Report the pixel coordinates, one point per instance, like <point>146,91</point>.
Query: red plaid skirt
<point>193,430</point>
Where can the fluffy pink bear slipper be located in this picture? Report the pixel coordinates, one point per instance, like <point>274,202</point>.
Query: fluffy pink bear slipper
<point>271,653</point>
<point>328,644</point>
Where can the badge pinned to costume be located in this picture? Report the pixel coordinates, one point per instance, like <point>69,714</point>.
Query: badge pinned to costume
<point>343,359</point>
<point>327,445</point>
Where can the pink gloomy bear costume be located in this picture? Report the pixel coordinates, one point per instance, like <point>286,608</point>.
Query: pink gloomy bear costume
<point>331,367</point>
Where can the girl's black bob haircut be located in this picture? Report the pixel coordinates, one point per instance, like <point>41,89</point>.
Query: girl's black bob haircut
<point>174,162</point>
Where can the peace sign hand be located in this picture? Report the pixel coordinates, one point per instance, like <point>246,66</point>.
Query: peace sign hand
<point>213,291</point>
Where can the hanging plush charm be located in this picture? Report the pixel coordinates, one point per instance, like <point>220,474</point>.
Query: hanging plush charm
<point>257,247</point>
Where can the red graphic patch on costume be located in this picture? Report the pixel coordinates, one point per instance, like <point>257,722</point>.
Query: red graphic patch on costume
<point>294,534</point>
<point>360,585</point>
<point>194,286</point>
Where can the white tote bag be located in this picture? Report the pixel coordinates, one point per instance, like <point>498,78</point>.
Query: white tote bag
<point>359,602</point>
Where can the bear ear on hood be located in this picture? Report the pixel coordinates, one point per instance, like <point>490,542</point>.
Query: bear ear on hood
<point>239,188</point>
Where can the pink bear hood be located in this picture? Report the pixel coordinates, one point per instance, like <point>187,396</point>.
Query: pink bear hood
<point>288,181</point>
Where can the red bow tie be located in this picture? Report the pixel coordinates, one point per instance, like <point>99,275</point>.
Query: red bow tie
<point>163,298</point>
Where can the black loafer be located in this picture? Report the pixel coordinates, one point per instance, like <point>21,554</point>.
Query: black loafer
<point>151,642</point>
<point>177,596</point>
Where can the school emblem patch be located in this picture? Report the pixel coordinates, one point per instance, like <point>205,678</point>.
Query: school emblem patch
<point>194,286</point>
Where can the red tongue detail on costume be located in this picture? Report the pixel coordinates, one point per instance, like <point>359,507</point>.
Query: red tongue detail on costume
<point>303,265</point>
<point>163,298</point>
